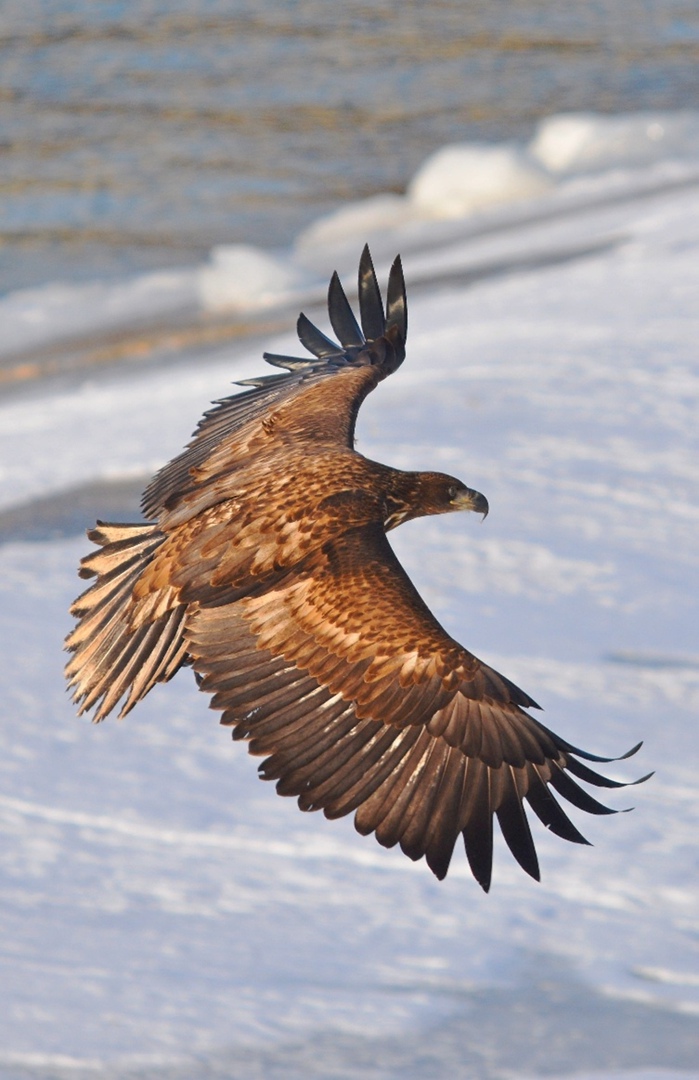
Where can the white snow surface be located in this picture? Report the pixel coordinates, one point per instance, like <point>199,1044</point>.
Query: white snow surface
<point>165,914</point>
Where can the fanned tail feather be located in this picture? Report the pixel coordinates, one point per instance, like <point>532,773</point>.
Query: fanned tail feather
<point>111,657</point>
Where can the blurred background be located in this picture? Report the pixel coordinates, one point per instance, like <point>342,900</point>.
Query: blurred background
<point>137,135</point>
<point>177,179</point>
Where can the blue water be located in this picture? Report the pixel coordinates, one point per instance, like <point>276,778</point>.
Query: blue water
<point>136,135</point>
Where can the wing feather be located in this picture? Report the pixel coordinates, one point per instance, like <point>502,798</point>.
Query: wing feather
<point>420,739</point>
<point>513,821</point>
<point>423,806</point>
<point>571,791</point>
<point>549,811</point>
<point>343,792</point>
<point>477,823</point>
<point>309,757</point>
<point>338,770</point>
<point>342,317</point>
<point>312,339</point>
<point>388,819</point>
<point>442,830</point>
<point>325,390</point>
<point>370,303</point>
<point>396,303</point>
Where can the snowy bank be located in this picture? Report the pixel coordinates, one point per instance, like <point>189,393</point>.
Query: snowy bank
<point>165,914</point>
<point>572,162</point>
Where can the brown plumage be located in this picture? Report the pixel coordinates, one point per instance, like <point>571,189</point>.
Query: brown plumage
<point>267,569</point>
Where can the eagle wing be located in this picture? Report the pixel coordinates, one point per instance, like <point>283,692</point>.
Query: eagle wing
<point>342,678</point>
<point>314,401</point>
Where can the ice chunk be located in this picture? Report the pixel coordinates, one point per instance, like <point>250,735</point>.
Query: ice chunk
<point>240,277</point>
<point>460,179</point>
<point>584,142</point>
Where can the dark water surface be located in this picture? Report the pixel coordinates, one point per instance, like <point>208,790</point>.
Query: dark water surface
<point>136,135</point>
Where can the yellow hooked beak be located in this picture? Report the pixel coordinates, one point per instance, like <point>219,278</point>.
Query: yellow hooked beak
<point>471,500</point>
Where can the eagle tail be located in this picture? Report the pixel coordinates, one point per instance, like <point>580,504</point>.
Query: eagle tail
<point>118,647</point>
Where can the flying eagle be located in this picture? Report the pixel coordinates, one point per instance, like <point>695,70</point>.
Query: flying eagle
<point>266,567</point>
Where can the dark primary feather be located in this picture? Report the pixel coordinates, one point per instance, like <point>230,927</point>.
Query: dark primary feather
<point>312,339</point>
<point>267,570</point>
<point>397,303</point>
<point>342,317</point>
<point>371,304</point>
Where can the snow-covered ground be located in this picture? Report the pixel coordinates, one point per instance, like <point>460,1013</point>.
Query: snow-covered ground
<point>164,913</point>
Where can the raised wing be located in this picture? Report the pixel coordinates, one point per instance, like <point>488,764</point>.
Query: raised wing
<point>315,400</point>
<point>343,679</point>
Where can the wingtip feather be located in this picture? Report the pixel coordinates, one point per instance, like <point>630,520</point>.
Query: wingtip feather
<point>397,301</point>
<point>370,302</point>
<point>341,315</point>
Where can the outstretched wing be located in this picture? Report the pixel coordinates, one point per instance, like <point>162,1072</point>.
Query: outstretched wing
<point>315,400</point>
<point>360,701</point>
